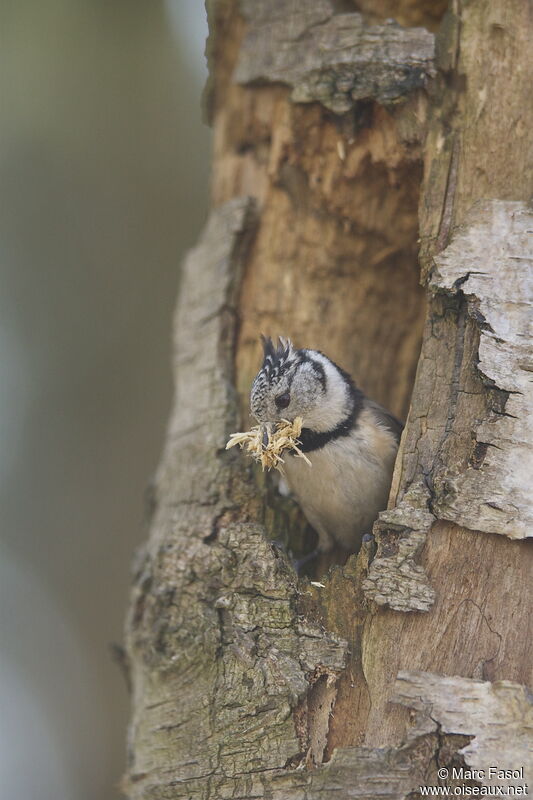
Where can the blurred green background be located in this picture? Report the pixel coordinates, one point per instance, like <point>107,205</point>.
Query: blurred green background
<point>103,185</point>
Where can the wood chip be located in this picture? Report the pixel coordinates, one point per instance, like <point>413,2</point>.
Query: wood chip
<point>284,437</point>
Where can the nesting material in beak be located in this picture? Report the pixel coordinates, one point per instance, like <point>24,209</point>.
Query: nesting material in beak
<point>266,445</point>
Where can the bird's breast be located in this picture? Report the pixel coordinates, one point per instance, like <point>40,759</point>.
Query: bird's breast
<point>348,482</point>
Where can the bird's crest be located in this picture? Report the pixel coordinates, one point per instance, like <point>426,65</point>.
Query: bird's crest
<point>276,357</point>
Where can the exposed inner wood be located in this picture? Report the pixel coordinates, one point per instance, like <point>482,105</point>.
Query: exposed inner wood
<point>410,13</point>
<point>334,262</point>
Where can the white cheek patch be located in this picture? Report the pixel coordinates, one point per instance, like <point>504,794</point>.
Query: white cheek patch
<point>330,407</point>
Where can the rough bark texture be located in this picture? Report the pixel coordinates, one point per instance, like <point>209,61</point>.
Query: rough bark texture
<point>220,655</point>
<point>335,60</point>
<point>246,682</point>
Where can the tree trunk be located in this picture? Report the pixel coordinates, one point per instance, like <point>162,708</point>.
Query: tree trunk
<point>330,130</point>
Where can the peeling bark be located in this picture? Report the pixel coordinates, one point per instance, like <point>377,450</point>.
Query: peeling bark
<point>498,716</point>
<point>490,261</point>
<point>248,683</point>
<point>336,60</point>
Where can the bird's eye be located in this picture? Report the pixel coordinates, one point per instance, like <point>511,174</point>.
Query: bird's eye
<point>283,400</point>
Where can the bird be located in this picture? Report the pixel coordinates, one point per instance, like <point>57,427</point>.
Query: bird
<point>350,440</point>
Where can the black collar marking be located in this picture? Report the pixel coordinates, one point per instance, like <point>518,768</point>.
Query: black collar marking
<point>313,440</point>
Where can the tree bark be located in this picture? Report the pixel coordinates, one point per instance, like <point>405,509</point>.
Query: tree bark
<point>330,130</point>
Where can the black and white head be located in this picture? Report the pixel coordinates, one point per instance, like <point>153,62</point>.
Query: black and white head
<point>302,383</point>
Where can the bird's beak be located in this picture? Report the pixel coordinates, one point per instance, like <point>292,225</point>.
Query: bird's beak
<point>266,434</point>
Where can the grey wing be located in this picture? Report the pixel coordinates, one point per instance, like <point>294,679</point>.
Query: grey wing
<point>386,418</point>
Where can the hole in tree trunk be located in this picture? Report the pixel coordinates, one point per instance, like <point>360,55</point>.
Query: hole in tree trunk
<point>334,266</point>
